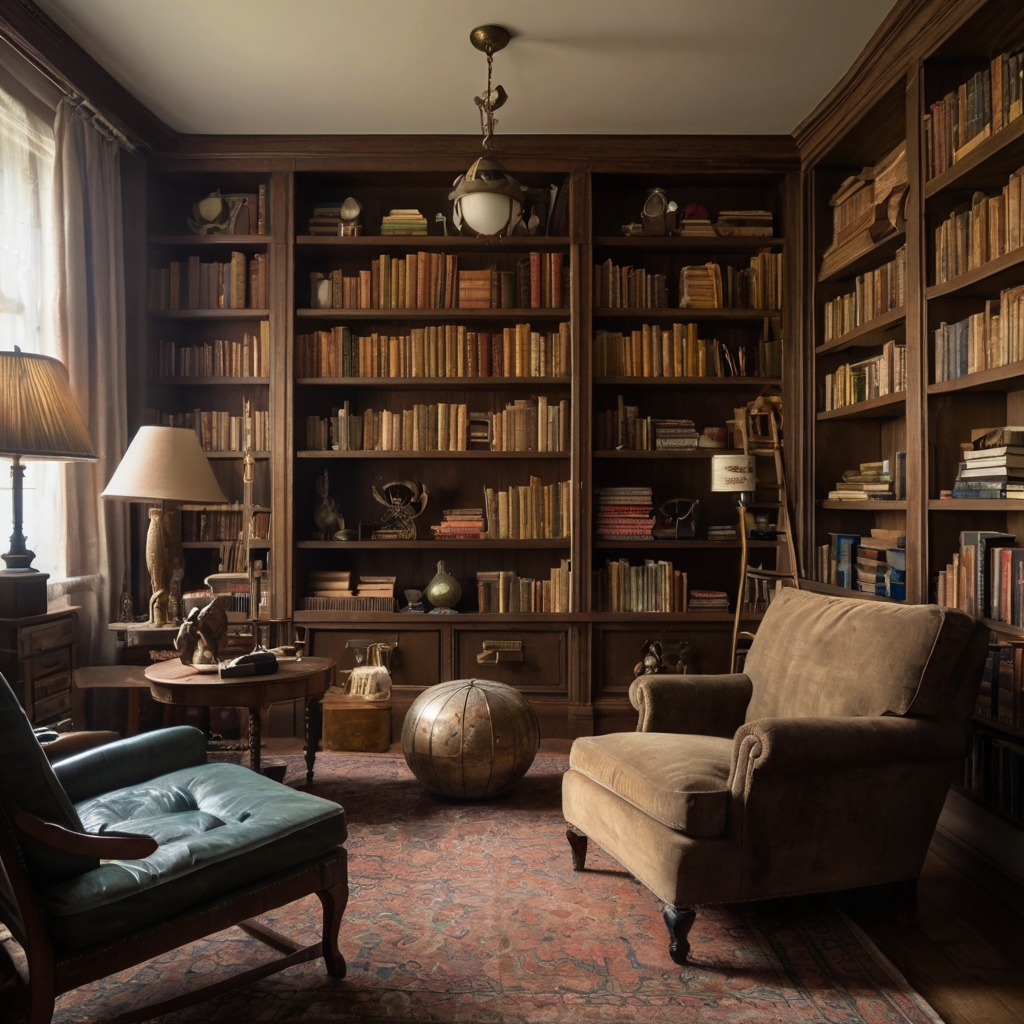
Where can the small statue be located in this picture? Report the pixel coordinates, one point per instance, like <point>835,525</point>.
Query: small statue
<point>415,599</point>
<point>216,214</point>
<point>126,607</point>
<point>650,663</point>
<point>372,681</point>
<point>201,634</point>
<point>671,657</point>
<point>327,516</point>
<point>404,501</point>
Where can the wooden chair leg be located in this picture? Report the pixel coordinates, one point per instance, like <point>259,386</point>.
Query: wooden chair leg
<point>679,921</point>
<point>578,844</point>
<point>333,901</point>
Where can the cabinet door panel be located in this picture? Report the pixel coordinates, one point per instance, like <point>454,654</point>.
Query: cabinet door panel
<point>45,636</point>
<point>415,662</point>
<point>541,670</point>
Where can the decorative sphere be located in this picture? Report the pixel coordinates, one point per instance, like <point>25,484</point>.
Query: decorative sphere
<point>470,738</point>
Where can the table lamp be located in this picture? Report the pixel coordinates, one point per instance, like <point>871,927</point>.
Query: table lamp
<point>38,420</point>
<point>164,465</point>
<point>736,474</point>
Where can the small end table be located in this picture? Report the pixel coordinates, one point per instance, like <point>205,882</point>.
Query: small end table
<point>171,682</point>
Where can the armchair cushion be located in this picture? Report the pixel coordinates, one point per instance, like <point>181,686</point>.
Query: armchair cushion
<point>708,705</point>
<point>680,780</point>
<point>219,826</point>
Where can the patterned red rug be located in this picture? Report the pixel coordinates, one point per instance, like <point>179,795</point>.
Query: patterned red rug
<point>472,912</point>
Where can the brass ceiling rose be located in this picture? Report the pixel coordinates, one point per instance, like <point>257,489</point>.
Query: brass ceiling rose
<point>490,38</point>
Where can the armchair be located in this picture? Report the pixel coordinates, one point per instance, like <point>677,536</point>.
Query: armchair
<point>131,849</point>
<point>823,766</point>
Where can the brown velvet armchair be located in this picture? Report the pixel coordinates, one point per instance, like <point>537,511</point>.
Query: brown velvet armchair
<point>823,766</point>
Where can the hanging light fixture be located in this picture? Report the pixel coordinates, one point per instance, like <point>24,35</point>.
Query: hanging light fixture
<point>487,199</point>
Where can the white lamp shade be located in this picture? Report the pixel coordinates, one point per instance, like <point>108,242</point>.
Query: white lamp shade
<point>488,213</point>
<point>733,473</point>
<point>165,464</point>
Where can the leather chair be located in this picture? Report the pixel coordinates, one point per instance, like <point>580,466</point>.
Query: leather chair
<point>131,849</point>
<point>823,766</point>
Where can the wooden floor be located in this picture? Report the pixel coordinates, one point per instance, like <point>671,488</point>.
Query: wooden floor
<point>965,953</point>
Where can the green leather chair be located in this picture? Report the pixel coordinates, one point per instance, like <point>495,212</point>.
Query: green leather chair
<point>135,848</point>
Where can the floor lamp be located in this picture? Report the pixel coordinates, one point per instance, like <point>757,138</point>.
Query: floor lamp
<point>736,474</point>
<point>38,420</point>
<point>165,467</point>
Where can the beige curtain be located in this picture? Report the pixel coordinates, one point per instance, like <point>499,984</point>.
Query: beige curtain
<point>91,337</point>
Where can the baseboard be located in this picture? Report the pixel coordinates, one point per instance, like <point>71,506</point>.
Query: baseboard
<point>988,850</point>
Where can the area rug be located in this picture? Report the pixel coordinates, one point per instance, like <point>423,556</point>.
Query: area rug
<point>472,912</point>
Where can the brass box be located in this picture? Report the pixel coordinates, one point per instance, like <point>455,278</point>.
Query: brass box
<point>356,725</point>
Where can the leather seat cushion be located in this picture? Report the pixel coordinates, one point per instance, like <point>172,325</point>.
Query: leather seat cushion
<point>219,826</point>
<point>680,780</point>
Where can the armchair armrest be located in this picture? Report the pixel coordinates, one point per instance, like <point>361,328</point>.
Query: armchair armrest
<point>105,846</point>
<point>128,762</point>
<point>817,745</point>
<point>705,705</point>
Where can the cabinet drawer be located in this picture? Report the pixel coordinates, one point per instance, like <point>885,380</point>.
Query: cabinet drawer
<point>46,636</point>
<point>416,661</point>
<point>51,685</point>
<point>53,707</point>
<point>617,652</point>
<point>46,664</point>
<point>539,666</point>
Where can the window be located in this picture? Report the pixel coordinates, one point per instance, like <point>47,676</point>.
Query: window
<point>27,308</point>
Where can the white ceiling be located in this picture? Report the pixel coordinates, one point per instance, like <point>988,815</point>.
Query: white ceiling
<point>406,66</point>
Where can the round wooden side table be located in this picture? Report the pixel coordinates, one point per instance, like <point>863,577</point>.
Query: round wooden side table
<point>171,682</point>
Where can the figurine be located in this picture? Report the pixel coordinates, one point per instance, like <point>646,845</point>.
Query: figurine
<point>404,502</point>
<point>201,634</point>
<point>216,214</point>
<point>126,608</point>
<point>350,213</point>
<point>327,517</point>
<point>415,599</point>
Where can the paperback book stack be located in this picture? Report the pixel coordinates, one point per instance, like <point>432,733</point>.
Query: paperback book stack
<point>624,513</point>
<point>708,601</point>
<point>503,591</point>
<point>655,586</point>
<point>326,219</point>
<point>875,564</point>
<point>872,481</point>
<point>994,466</point>
<point>695,226</point>
<point>744,222</point>
<point>723,533</point>
<point>675,435</point>
<point>404,222</point>
<point>333,591</point>
<point>460,524</point>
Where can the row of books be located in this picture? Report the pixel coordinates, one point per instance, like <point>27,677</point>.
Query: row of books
<point>221,525</point>
<point>676,351</point>
<point>220,431</point>
<point>980,231</point>
<point>442,350</point>
<point>504,591</point>
<point>1000,696</point>
<point>874,565</point>
<point>627,287</point>
<point>624,428</point>
<point>525,425</point>
<point>433,280</point>
<point>624,513</point>
<point>758,286</point>
<point>984,340</point>
<point>985,578</point>
<point>873,481</point>
<point>994,772</point>
<point>249,357</point>
<point>240,283</point>
<point>986,103</point>
<point>992,465</point>
<point>535,511</point>
<point>655,586</point>
<point>875,294</point>
<point>326,219</point>
<point>342,591</point>
<point>885,374</point>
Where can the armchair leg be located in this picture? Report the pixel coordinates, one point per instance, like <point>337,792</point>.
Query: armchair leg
<point>578,844</point>
<point>679,921</point>
<point>333,901</point>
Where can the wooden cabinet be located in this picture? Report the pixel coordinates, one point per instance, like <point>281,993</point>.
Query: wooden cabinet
<point>37,658</point>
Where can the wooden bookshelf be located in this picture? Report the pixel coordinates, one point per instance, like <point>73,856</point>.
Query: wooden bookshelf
<point>999,378</point>
<point>687,313</point>
<point>874,256</point>
<point>883,406</point>
<point>209,314</point>
<point>434,315</point>
<point>869,335</point>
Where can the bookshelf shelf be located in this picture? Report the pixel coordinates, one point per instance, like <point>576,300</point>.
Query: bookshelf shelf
<point>687,313</point>
<point>883,407</point>
<point>216,545</point>
<point>692,243</point>
<point>976,505</point>
<point>984,281</point>
<point>208,382</point>
<point>235,455</point>
<point>206,241</point>
<point>428,545</point>
<point>682,545</point>
<point>864,506</point>
<point>681,617</point>
<point>396,620</point>
<point>879,253</point>
<point>990,164</point>
<point>687,453</point>
<point>980,801</point>
<point>999,378</point>
<point>429,455</point>
<point>832,591</point>
<point>435,383</point>
<point>433,315</point>
<point>876,331</point>
<point>689,382</point>
<point>425,242</point>
<point>208,314</point>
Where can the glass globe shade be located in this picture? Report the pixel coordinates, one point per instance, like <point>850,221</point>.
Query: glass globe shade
<point>488,213</point>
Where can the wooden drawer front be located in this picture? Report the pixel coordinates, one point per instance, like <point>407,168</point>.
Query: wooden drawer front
<point>46,636</point>
<point>416,661</point>
<point>543,668</point>
<point>53,707</point>
<point>46,664</point>
<point>43,688</point>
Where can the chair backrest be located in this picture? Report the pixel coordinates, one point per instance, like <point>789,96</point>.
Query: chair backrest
<point>26,776</point>
<point>840,657</point>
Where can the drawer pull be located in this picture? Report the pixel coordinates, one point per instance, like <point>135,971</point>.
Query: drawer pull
<point>498,652</point>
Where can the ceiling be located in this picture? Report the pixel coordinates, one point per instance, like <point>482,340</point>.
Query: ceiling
<point>407,67</point>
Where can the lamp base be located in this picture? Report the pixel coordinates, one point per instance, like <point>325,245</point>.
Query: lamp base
<point>22,593</point>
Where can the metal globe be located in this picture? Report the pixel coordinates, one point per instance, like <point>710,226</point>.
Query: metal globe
<point>470,738</point>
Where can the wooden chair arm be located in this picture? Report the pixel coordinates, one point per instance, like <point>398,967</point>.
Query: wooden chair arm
<point>108,846</point>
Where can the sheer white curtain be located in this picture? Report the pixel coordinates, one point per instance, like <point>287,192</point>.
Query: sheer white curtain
<point>27,309</point>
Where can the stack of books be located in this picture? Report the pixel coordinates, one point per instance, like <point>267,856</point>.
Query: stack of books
<point>326,219</point>
<point>708,601</point>
<point>460,524</point>
<point>624,513</point>
<point>675,435</point>
<point>404,222</point>
<point>333,591</point>
<point>744,222</point>
<point>694,227</point>
<point>874,565</point>
<point>723,533</point>
<point>872,481</point>
<point>701,287</point>
<point>994,466</point>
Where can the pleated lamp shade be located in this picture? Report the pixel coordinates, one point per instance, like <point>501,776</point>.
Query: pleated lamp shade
<point>165,464</point>
<point>38,415</point>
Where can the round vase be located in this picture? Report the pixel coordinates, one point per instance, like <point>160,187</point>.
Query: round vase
<point>443,592</point>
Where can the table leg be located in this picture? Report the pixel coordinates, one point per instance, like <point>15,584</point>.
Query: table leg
<point>255,729</point>
<point>314,729</point>
<point>134,706</point>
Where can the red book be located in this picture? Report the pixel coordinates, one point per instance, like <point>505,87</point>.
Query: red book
<point>536,290</point>
<point>557,262</point>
